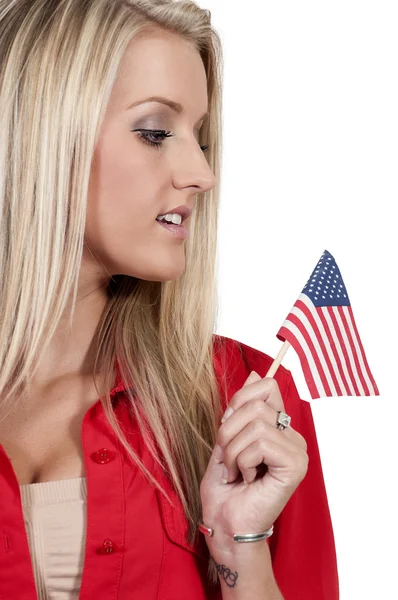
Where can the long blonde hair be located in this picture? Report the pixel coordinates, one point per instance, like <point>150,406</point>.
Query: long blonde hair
<point>59,62</point>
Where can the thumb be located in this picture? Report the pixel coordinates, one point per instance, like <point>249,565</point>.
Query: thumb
<point>254,376</point>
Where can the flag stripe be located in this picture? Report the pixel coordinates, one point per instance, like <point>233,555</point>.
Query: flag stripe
<point>337,352</point>
<point>343,362</point>
<point>337,325</point>
<point>289,332</point>
<point>345,317</point>
<point>301,322</point>
<point>365,362</point>
<point>311,353</point>
<point>317,326</point>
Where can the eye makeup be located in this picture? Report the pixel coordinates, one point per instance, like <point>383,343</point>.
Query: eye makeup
<point>156,137</point>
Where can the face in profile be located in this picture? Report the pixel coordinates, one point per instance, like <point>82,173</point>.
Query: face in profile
<point>137,176</point>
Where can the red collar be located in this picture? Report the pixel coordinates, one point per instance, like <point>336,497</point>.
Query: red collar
<point>119,385</point>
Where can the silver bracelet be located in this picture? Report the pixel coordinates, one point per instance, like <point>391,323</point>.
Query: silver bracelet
<point>245,537</point>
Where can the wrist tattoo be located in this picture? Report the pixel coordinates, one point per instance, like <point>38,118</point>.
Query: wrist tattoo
<point>226,574</point>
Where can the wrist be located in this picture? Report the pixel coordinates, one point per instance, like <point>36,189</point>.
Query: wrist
<point>221,546</point>
<point>247,569</point>
<point>227,542</point>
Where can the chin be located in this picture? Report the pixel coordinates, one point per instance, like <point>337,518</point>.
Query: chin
<point>159,266</point>
<point>165,274</point>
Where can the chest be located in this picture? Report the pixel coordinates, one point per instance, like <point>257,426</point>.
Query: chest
<point>135,544</point>
<point>43,439</point>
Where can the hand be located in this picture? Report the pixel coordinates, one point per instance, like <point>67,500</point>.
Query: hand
<point>264,464</point>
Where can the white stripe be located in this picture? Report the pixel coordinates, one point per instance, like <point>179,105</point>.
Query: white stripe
<point>349,351</point>
<point>358,349</point>
<point>308,327</point>
<point>304,298</point>
<point>343,363</point>
<point>314,371</point>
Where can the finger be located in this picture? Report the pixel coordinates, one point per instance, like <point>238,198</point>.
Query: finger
<point>252,377</point>
<point>256,429</point>
<point>256,388</point>
<point>251,410</point>
<point>259,452</point>
<point>285,467</point>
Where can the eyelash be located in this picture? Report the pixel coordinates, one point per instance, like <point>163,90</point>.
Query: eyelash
<point>161,134</point>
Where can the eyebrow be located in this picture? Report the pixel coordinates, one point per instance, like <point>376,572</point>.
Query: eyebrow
<point>176,106</point>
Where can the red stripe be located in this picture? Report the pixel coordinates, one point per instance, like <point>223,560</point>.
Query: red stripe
<point>286,334</point>
<point>335,351</point>
<point>344,349</point>
<point>300,326</point>
<point>354,350</point>
<point>304,308</point>
<point>363,352</point>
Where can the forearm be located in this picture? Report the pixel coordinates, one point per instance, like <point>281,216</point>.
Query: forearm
<point>245,572</point>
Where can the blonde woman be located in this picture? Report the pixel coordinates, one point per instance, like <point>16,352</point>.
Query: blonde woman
<point>119,479</point>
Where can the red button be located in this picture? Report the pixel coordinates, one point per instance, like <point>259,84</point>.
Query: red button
<point>108,547</point>
<point>103,456</point>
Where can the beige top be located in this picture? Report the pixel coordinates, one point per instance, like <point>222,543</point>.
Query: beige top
<point>55,522</point>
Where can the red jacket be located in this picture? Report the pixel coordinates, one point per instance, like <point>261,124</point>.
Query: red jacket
<point>135,545</point>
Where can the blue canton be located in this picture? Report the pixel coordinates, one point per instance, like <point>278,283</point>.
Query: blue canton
<point>326,287</point>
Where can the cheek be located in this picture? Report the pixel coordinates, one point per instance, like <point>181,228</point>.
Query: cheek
<point>127,190</point>
<point>124,189</point>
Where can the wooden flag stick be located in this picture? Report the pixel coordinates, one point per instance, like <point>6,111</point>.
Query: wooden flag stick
<point>274,367</point>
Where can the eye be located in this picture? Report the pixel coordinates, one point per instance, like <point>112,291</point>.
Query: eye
<point>155,137</point>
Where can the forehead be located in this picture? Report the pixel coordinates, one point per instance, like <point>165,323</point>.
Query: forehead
<point>162,63</point>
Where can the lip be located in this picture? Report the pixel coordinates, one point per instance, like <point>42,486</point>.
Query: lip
<point>178,231</point>
<point>182,210</point>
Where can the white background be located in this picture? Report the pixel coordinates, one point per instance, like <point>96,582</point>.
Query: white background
<point>310,163</point>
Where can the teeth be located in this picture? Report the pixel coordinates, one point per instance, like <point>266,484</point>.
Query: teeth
<point>173,217</point>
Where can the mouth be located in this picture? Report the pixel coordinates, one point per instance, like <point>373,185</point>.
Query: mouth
<point>183,211</point>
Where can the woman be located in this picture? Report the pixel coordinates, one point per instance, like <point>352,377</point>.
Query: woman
<point>113,451</point>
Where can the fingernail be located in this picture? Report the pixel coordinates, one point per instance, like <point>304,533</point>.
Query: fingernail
<point>227,414</point>
<point>224,478</point>
<point>253,375</point>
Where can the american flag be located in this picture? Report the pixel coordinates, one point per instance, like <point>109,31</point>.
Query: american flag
<point>322,330</point>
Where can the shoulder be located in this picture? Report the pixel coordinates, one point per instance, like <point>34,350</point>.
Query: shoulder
<point>234,360</point>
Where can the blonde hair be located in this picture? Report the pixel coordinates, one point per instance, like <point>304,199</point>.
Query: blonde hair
<point>59,62</point>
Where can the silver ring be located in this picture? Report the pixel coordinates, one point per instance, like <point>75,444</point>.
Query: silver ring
<point>283,420</point>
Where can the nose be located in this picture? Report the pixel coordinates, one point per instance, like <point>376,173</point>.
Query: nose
<point>194,171</point>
